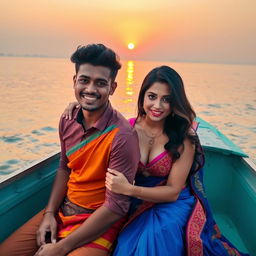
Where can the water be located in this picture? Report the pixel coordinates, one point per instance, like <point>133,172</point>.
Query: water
<point>34,92</point>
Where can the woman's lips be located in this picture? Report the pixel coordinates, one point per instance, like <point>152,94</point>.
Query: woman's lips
<point>156,113</point>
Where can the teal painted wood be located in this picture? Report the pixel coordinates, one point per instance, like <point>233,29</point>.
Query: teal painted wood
<point>214,140</point>
<point>25,194</point>
<point>230,185</point>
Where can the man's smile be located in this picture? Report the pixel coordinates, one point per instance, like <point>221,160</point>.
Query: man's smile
<point>90,96</point>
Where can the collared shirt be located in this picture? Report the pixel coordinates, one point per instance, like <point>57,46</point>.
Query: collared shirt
<point>124,155</point>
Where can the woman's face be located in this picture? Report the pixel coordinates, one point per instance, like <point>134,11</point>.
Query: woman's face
<point>157,101</point>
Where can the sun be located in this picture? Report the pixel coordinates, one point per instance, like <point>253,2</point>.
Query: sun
<point>131,46</point>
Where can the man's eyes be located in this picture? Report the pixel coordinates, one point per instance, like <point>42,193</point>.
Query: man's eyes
<point>83,80</point>
<point>97,83</point>
<point>102,83</point>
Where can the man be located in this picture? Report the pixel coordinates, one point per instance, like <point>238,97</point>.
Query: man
<point>82,217</point>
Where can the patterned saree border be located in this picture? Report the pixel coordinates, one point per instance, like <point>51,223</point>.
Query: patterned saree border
<point>230,250</point>
<point>194,228</point>
<point>89,139</point>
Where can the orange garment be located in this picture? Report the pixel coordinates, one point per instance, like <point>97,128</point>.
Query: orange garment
<point>88,162</point>
<point>68,224</point>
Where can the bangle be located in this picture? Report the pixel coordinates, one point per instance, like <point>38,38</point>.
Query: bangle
<point>48,212</point>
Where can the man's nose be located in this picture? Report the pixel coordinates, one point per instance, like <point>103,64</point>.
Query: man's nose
<point>90,87</point>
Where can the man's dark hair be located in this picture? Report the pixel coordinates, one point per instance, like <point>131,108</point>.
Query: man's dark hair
<point>97,55</point>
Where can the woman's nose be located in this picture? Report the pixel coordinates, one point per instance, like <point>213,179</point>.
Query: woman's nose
<point>157,103</point>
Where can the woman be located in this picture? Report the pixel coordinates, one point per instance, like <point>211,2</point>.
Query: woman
<point>169,214</point>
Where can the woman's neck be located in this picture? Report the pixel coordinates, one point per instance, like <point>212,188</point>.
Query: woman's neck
<point>153,126</point>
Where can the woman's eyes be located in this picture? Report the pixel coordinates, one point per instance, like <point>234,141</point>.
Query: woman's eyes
<point>165,99</point>
<point>151,97</point>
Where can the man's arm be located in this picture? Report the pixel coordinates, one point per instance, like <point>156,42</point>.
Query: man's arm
<point>49,223</point>
<point>58,193</point>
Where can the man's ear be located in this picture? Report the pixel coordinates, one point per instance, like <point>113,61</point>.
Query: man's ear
<point>74,80</point>
<point>113,88</point>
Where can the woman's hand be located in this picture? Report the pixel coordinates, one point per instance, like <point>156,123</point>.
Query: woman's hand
<point>117,182</point>
<point>69,110</point>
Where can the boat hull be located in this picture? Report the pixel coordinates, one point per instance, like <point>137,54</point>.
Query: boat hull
<point>229,179</point>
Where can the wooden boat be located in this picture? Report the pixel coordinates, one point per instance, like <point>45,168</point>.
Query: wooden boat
<point>230,183</point>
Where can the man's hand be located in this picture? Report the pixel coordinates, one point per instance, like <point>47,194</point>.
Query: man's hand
<point>49,224</point>
<point>50,250</point>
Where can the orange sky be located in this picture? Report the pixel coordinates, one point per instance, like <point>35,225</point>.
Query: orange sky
<point>182,30</point>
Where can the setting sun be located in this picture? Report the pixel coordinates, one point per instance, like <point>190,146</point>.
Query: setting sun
<point>131,46</point>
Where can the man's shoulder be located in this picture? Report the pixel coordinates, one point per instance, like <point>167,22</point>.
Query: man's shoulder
<point>66,123</point>
<point>122,123</point>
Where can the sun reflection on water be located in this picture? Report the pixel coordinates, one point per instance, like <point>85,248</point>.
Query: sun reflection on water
<point>129,81</point>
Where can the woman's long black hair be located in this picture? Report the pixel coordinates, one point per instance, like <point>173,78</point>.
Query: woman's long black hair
<point>178,124</point>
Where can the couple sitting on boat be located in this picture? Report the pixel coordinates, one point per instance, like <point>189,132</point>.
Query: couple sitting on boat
<point>101,153</point>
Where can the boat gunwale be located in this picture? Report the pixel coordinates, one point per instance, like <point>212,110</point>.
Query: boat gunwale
<point>250,163</point>
<point>18,174</point>
<point>22,172</point>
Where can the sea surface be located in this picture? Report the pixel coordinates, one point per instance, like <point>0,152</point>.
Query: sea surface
<point>35,91</point>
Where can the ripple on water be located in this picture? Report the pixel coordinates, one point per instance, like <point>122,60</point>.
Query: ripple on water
<point>217,105</point>
<point>12,161</point>
<point>49,129</point>
<point>37,132</point>
<point>41,131</point>
<point>6,172</point>
<point>207,113</point>
<point>253,129</point>
<point>233,135</point>
<point>11,165</point>
<point>229,124</point>
<point>11,139</point>
<point>6,169</point>
<point>250,107</point>
<point>50,144</point>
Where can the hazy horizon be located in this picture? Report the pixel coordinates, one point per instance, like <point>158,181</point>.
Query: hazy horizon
<point>166,30</point>
<point>11,55</point>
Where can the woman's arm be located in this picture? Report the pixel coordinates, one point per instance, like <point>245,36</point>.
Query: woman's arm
<point>117,183</point>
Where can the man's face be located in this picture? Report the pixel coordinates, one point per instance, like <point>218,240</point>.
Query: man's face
<point>93,85</point>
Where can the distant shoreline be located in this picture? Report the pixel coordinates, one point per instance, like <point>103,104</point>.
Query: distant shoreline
<point>30,56</point>
<point>124,59</point>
